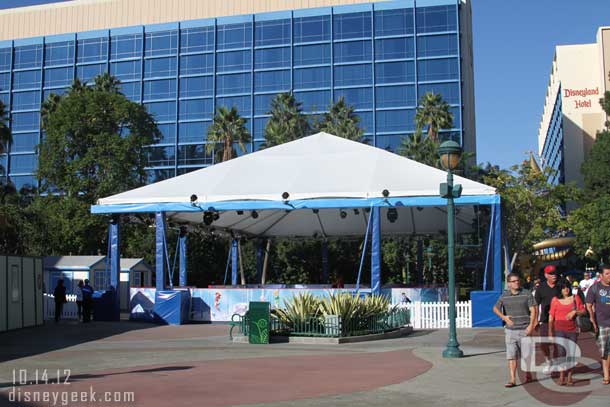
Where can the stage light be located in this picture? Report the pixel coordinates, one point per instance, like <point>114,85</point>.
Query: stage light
<point>356,211</point>
<point>208,218</point>
<point>385,193</point>
<point>343,214</point>
<point>240,212</point>
<point>285,196</point>
<point>254,214</point>
<point>316,211</point>
<point>193,199</point>
<point>392,215</point>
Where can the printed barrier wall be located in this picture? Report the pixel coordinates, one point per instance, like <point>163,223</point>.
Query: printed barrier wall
<point>218,305</point>
<point>21,300</point>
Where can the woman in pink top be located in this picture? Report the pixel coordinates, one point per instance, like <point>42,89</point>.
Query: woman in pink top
<point>562,324</point>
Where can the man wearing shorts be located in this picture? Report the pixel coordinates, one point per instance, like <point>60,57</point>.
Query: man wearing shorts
<point>517,308</point>
<point>598,304</point>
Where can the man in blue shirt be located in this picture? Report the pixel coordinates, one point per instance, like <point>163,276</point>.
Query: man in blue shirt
<point>87,301</point>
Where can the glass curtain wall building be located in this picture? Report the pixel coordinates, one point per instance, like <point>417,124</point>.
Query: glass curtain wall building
<point>381,57</point>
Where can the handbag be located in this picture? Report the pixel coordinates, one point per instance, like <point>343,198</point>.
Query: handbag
<point>582,321</point>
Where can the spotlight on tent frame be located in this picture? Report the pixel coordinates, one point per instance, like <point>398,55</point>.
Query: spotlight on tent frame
<point>285,196</point>
<point>193,200</point>
<point>385,193</point>
<point>316,211</point>
<point>216,216</point>
<point>240,212</point>
<point>392,215</point>
<point>254,215</point>
<point>208,218</point>
<point>342,214</point>
<point>356,211</point>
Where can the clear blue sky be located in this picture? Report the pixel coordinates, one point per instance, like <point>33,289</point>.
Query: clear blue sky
<point>514,44</point>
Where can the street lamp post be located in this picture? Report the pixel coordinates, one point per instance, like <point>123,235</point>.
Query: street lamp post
<point>450,153</point>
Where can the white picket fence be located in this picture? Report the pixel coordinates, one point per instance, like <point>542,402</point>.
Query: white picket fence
<point>435,315</point>
<point>70,310</point>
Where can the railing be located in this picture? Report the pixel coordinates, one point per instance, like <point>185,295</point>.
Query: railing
<point>70,310</point>
<point>435,315</point>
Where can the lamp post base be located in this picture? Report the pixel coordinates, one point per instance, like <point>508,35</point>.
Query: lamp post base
<point>451,352</point>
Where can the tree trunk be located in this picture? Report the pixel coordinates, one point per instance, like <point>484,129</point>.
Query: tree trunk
<point>265,262</point>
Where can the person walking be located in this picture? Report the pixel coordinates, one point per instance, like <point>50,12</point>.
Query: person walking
<point>60,299</point>
<point>587,282</point>
<point>562,324</point>
<point>79,300</point>
<point>87,301</point>
<point>598,304</point>
<point>545,293</point>
<point>517,308</point>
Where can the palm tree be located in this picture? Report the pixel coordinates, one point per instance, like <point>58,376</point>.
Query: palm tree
<point>5,131</point>
<point>419,148</point>
<point>287,122</point>
<point>48,107</point>
<point>435,113</point>
<point>107,83</point>
<point>341,121</point>
<point>228,128</point>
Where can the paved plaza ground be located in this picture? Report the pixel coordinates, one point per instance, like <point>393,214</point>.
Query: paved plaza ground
<point>197,365</point>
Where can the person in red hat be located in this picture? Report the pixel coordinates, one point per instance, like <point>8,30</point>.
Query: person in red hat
<point>548,290</point>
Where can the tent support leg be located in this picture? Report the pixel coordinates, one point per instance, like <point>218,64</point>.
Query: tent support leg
<point>266,262</point>
<point>160,250</point>
<point>182,264</point>
<point>234,262</point>
<point>376,251</point>
<point>497,249</point>
<point>115,265</point>
<point>241,264</point>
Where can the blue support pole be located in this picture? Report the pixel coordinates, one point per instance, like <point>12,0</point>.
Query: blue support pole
<point>234,262</point>
<point>182,250</point>
<point>497,249</point>
<point>260,252</point>
<point>420,262</point>
<point>376,251</point>
<point>115,265</point>
<point>324,261</point>
<point>160,250</point>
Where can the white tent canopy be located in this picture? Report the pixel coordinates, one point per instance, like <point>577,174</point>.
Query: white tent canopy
<point>326,175</point>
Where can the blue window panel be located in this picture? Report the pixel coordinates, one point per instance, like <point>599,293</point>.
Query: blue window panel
<point>272,81</point>
<point>396,120</point>
<point>25,121</point>
<point>161,89</point>
<point>196,64</point>
<point>28,182</point>
<point>243,104</point>
<point>389,142</point>
<point>437,45</point>
<point>394,48</point>
<point>58,77</point>
<point>272,32</point>
<point>444,135</point>
<point>24,142</point>
<point>25,163</point>
<point>26,100</point>
<point>162,111</point>
<point>436,19</point>
<point>28,56</point>
<point>262,104</point>
<point>259,127</point>
<point>161,43</point>
<point>193,132</point>
<point>317,101</point>
<point>395,72</point>
<point>4,98</point>
<point>132,90</point>
<point>49,92</point>
<point>92,50</point>
<point>311,29</point>
<point>197,86</point>
<point>196,109</point>
<point>241,152</point>
<point>126,70</point>
<point>168,133</point>
<point>359,98</point>
<point>272,58</point>
<point>394,22</point>
<point>366,121</point>
<point>233,61</point>
<point>5,59</point>
<point>5,82</point>
<point>26,79</point>
<point>449,91</point>
<point>438,69</point>
<point>153,176</point>
<point>395,96</point>
<point>232,84</point>
<point>88,73</point>
<point>194,154</point>
<point>310,78</point>
<point>161,156</point>
<point>197,39</point>
<point>352,25</point>
<point>160,67</point>
<point>59,53</point>
<point>182,171</point>
<point>350,75</point>
<point>353,51</point>
<point>231,36</point>
<point>312,54</point>
<point>457,123</point>
<point>126,46</point>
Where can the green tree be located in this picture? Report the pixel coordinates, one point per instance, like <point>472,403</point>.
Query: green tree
<point>287,121</point>
<point>95,142</point>
<point>5,131</point>
<point>591,225</point>
<point>228,128</point>
<point>419,148</point>
<point>596,167</point>
<point>341,121</point>
<point>434,113</point>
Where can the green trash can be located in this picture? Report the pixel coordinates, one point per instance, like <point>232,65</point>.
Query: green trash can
<point>258,322</point>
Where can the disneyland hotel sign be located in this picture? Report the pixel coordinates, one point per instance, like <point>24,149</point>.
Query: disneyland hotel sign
<point>581,93</point>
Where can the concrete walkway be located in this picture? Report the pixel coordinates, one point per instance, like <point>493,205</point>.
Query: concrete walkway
<point>197,365</point>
